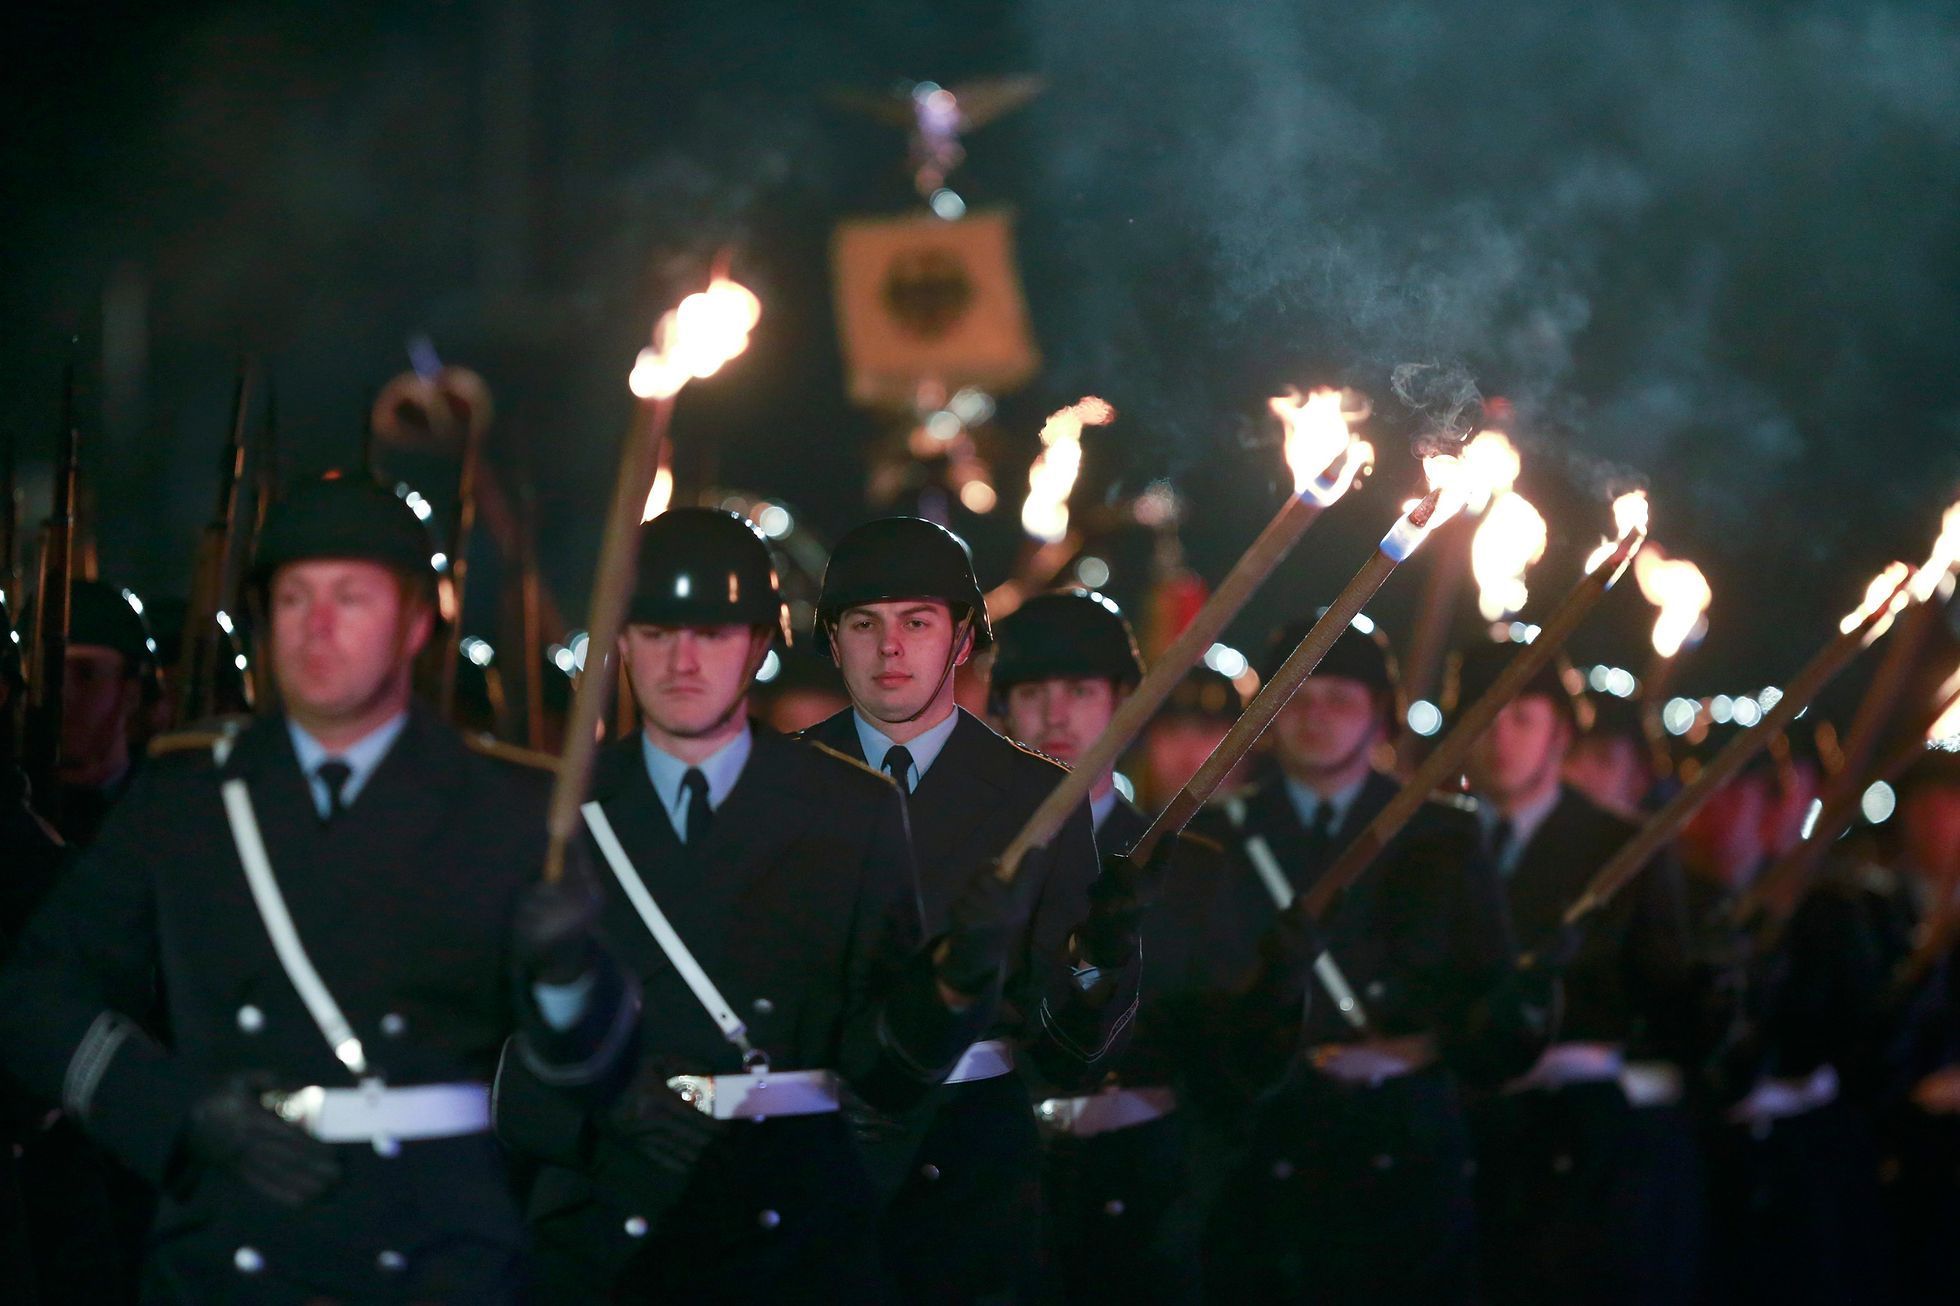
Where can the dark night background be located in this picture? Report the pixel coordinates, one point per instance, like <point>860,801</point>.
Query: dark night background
<point>1711,246</point>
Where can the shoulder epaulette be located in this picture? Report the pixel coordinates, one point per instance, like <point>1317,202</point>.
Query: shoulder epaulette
<point>1032,751</point>
<point>842,756</point>
<point>1452,798</point>
<point>490,746</point>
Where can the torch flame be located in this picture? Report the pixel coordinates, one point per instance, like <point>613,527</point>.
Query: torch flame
<point>1453,482</point>
<point>1511,537</point>
<point>1051,479</point>
<point>1944,558</point>
<point>1495,462</point>
<point>660,496</point>
<point>695,339</point>
<point>1677,587</point>
<point>1629,515</point>
<point>1883,594</point>
<point>1948,726</point>
<point>1321,449</point>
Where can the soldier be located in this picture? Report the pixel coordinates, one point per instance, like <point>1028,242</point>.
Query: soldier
<point>337,902</point>
<point>1357,1179</point>
<point>1123,1207</point>
<point>1589,1187</point>
<point>1201,708</point>
<point>1611,762</point>
<point>727,1170</point>
<point>899,611</point>
<point>109,681</point>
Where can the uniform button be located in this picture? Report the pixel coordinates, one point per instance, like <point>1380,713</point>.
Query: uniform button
<point>248,1260</point>
<point>392,1262</point>
<point>394,1024</point>
<point>1282,1170</point>
<point>768,1219</point>
<point>251,1019</point>
<point>930,1172</point>
<point>387,1147</point>
<point>764,1007</point>
<point>636,1226</point>
<point>1114,1206</point>
<point>1384,1162</point>
<point>1562,1163</point>
<point>1376,989</point>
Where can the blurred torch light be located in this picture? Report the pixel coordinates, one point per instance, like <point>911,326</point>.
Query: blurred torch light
<point>1509,540</point>
<point>1937,570</point>
<point>1321,449</point>
<point>1629,516</point>
<point>1677,588</point>
<point>1884,593</point>
<point>1495,463</point>
<point>1051,479</point>
<point>695,339</point>
<point>661,494</point>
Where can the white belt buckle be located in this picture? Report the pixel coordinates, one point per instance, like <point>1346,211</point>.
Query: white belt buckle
<point>698,1091</point>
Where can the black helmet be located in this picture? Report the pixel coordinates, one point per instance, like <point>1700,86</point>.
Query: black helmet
<point>345,516</point>
<point>103,615</point>
<point>1074,632</point>
<point>1476,669</point>
<point>1360,652</point>
<point>1204,693</point>
<point>901,558</point>
<point>706,567</point>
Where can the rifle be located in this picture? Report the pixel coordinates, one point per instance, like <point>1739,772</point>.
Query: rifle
<point>196,688</point>
<point>50,651</point>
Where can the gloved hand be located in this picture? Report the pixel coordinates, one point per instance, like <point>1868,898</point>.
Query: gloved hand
<point>231,1130</point>
<point>983,924</point>
<point>1502,1034</point>
<point>553,938</point>
<point>1108,936</point>
<point>658,1124</point>
<point>1287,952</point>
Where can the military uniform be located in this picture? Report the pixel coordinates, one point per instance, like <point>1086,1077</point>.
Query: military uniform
<point>964,1221</point>
<point>1584,1195</point>
<point>1362,1188</point>
<point>795,905</point>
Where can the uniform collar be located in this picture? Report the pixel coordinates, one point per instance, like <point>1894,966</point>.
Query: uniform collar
<point>1307,802</point>
<point>721,768</point>
<point>1100,808</point>
<point>1525,824</point>
<point>361,757</point>
<point>925,749</point>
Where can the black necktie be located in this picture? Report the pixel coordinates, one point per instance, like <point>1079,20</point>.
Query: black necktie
<point>1320,833</point>
<point>334,774</point>
<point>1500,840</point>
<point>699,815</point>
<point>898,765</point>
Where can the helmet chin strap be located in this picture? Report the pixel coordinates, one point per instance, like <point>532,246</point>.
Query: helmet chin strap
<point>960,634</point>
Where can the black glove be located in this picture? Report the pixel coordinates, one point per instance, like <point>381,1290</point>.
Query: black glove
<point>231,1130</point>
<point>552,933</point>
<point>1502,1034</point>
<point>983,924</point>
<point>658,1124</point>
<point>1287,951</point>
<point>1108,936</point>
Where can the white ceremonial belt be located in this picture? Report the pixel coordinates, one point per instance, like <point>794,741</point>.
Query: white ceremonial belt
<point>376,1113</point>
<point>1779,1099</point>
<point>1105,1112</point>
<point>988,1059</point>
<point>1651,1083</point>
<point>1566,1064</point>
<point>759,1094</point>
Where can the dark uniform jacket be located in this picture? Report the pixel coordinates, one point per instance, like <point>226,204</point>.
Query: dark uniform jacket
<point>404,905</point>
<point>1583,1198</point>
<point>1348,1189</point>
<point>964,1220</point>
<point>795,905</point>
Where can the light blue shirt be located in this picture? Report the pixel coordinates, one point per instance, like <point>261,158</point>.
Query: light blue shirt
<point>721,768</point>
<point>924,749</point>
<point>1307,802</point>
<point>1524,827</point>
<point>362,757</point>
<point>1100,808</point>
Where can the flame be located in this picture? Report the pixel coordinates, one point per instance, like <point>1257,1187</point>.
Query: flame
<point>1452,482</point>
<point>1948,726</point>
<point>1629,515</point>
<point>1321,449</point>
<point>660,496</point>
<point>1496,465</point>
<point>1884,593</point>
<point>1511,537</point>
<point>1051,478</point>
<point>1942,561</point>
<point>695,339</point>
<point>1677,587</point>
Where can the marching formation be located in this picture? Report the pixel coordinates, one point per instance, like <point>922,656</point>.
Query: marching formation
<point>919,1005</point>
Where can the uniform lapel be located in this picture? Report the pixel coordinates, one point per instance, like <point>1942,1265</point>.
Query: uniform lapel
<point>1543,880</point>
<point>956,793</point>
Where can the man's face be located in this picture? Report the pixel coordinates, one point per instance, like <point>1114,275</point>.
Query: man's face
<point>1609,770</point>
<point>1176,746</point>
<point>1929,818</point>
<point>894,655</point>
<point>343,635</point>
<point>1329,725</point>
<point>1061,715</point>
<point>690,680</point>
<point>98,700</point>
<point>1522,751</point>
<point>1723,840</point>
